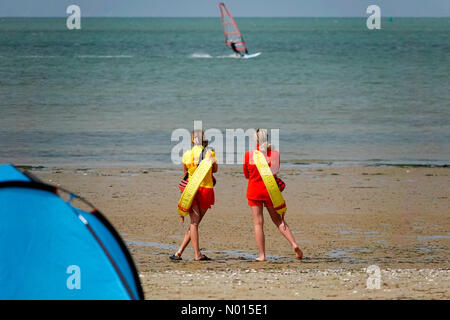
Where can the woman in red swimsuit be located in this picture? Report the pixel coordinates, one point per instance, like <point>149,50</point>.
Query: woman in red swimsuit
<point>258,196</point>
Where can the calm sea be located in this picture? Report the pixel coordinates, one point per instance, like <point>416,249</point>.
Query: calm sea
<point>113,92</point>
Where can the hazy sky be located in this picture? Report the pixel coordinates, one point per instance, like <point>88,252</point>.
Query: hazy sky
<point>208,8</point>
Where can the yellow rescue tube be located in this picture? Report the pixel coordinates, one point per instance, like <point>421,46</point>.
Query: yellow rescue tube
<point>184,205</point>
<point>271,185</point>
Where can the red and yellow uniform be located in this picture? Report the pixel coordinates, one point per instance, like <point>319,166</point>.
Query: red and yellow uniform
<point>204,198</point>
<point>257,193</point>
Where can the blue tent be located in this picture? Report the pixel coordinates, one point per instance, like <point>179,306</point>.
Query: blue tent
<point>50,249</point>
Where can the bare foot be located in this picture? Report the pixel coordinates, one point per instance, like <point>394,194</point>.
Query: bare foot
<point>261,258</point>
<point>298,253</point>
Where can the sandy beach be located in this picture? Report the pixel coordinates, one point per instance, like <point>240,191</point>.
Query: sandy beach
<point>344,218</point>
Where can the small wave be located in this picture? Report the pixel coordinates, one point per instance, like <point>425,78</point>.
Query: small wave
<point>230,56</point>
<point>201,56</point>
<point>38,57</point>
<point>103,56</point>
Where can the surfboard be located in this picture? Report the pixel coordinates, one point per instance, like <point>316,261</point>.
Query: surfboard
<point>253,55</point>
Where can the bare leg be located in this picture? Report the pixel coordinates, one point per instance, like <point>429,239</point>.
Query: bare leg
<point>187,236</point>
<point>258,222</point>
<point>285,231</point>
<point>193,228</point>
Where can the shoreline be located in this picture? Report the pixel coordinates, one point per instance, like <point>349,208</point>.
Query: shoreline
<point>286,164</point>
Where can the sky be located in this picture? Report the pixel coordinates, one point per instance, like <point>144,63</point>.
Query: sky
<point>239,8</point>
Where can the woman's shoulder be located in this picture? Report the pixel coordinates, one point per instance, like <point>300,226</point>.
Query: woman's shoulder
<point>274,153</point>
<point>247,155</point>
<point>186,157</point>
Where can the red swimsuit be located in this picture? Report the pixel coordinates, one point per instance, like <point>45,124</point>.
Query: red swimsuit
<point>257,194</point>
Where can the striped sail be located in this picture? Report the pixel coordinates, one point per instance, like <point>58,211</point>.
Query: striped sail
<point>231,30</point>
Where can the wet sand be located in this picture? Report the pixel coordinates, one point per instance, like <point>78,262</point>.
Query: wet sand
<point>344,219</point>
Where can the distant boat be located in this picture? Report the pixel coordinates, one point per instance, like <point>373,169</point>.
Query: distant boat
<point>233,37</point>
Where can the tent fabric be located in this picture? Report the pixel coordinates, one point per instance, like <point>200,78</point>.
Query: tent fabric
<point>44,239</point>
<point>10,173</point>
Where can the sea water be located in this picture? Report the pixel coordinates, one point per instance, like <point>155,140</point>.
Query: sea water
<point>113,92</point>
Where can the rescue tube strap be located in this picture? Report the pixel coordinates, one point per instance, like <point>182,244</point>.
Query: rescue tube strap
<point>269,181</point>
<point>189,192</point>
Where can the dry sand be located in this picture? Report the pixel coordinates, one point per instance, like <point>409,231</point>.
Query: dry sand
<point>344,219</point>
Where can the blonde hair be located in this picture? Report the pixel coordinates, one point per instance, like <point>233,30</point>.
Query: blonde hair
<point>262,139</point>
<point>198,138</point>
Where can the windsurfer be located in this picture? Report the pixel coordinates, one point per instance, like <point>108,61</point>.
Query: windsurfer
<point>233,47</point>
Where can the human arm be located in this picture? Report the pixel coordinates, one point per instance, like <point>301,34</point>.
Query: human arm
<point>215,166</point>
<point>275,162</point>
<point>245,166</point>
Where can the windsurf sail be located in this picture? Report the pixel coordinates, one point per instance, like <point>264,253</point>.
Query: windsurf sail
<point>231,31</point>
